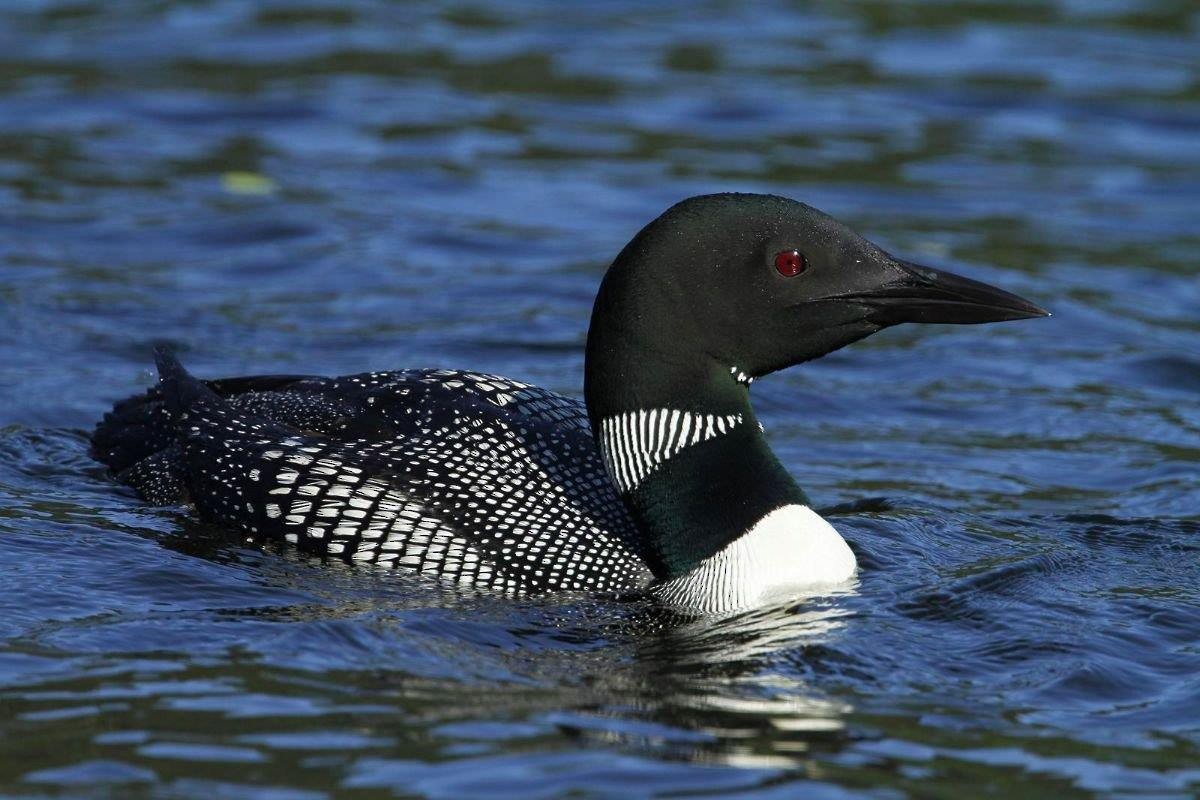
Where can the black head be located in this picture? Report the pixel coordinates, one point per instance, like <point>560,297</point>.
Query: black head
<point>757,283</point>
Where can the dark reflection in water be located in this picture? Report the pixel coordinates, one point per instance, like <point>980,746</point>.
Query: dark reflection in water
<point>298,186</point>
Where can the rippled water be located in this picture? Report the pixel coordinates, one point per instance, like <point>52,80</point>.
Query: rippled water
<point>307,187</point>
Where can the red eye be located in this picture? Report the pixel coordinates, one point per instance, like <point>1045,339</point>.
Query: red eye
<point>790,263</point>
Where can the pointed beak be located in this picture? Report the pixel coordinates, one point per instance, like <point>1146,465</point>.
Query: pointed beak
<point>922,294</point>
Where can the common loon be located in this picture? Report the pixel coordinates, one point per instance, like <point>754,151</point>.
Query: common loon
<point>661,481</point>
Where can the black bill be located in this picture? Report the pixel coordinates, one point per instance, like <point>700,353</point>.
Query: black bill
<point>923,294</point>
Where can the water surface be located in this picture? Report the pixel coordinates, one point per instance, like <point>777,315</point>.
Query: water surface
<point>309,187</point>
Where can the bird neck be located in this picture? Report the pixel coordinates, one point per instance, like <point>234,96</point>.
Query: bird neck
<point>686,453</point>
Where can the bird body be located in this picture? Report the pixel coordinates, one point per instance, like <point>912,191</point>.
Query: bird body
<point>470,477</point>
<point>660,481</point>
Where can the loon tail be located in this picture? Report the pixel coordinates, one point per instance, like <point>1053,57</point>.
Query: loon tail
<point>138,439</point>
<point>180,391</point>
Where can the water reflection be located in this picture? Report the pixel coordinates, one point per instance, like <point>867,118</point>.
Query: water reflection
<point>706,692</point>
<point>720,678</point>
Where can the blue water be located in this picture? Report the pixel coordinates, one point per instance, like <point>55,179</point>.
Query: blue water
<point>329,188</point>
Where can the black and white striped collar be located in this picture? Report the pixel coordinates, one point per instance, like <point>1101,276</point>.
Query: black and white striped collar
<point>635,443</point>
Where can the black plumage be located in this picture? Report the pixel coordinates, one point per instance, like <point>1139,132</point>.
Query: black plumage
<point>502,485</point>
<point>471,477</point>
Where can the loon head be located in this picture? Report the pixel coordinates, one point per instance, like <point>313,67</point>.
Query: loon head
<point>717,291</point>
<point>752,284</point>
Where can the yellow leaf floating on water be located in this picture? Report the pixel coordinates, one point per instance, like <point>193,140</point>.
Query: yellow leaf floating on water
<point>241,182</point>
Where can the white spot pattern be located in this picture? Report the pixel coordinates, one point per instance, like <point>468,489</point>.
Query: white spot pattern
<point>474,478</point>
<point>740,376</point>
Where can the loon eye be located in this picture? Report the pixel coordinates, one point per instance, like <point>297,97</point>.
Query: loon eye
<point>790,263</point>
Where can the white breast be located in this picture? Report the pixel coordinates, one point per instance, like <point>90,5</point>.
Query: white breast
<point>789,552</point>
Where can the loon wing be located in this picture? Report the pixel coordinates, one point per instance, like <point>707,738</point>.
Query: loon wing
<point>472,477</point>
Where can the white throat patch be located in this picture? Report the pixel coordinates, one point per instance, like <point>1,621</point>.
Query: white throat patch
<point>634,443</point>
<point>790,552</point>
